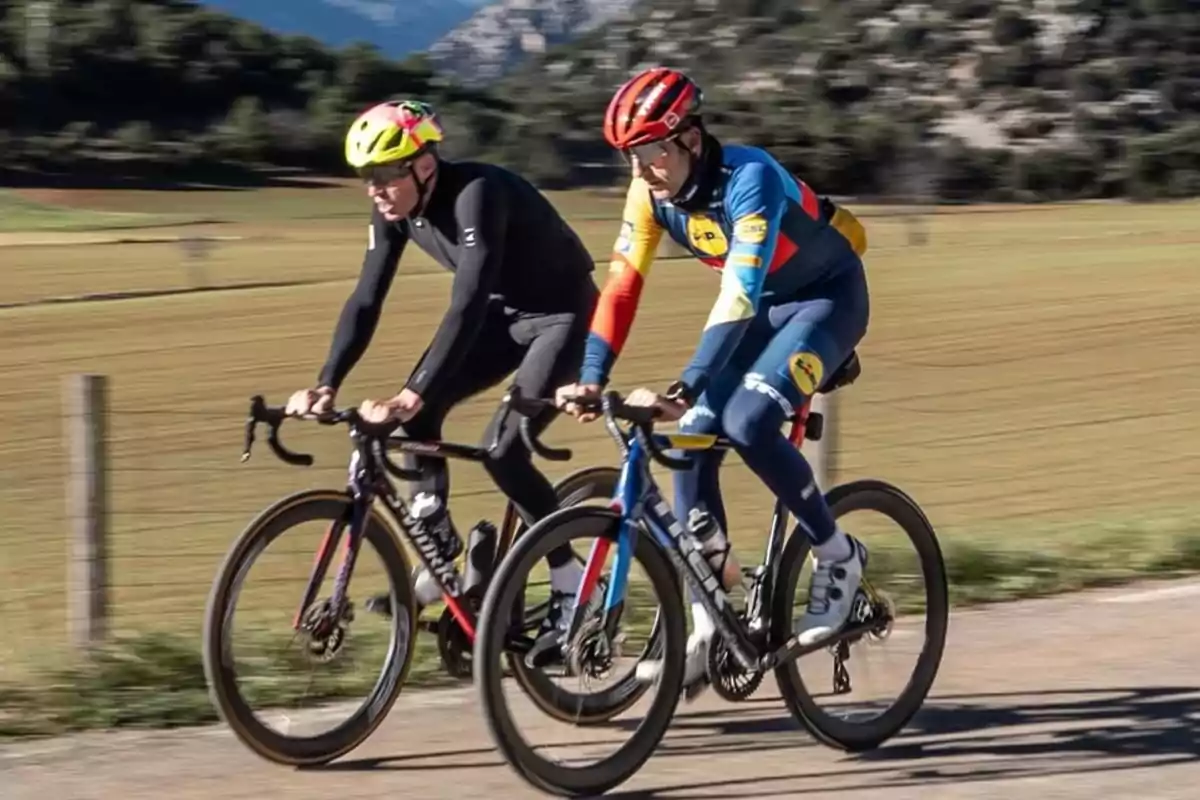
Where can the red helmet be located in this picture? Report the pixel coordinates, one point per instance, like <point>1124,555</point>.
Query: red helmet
<point>650,106</point>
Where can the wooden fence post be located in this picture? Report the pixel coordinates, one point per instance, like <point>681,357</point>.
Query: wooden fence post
<point>822,454</point>
<point>86,404</point>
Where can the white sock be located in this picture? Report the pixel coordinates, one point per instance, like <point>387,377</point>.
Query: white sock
<point>838,548</point>
<point>566,578</point>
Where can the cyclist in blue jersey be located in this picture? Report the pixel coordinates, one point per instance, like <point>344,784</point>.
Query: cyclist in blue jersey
<point>792,306</point>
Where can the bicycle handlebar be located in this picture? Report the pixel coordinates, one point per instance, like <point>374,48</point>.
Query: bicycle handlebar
<point>273,417</point>
<point>379,432</point>
<point>613,407</point>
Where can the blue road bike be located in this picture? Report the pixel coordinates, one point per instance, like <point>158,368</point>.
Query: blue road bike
<point>749,641</point>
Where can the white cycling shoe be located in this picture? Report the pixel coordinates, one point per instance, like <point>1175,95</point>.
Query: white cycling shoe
<point>831,594</point>
<point>695,669</point>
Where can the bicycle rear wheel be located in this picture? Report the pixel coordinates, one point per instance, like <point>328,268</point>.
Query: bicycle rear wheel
<point>492,637</point>
<point>831,729</point>
<point>221,667</point>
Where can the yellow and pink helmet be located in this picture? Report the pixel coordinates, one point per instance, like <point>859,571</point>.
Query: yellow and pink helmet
<point>395,130</point>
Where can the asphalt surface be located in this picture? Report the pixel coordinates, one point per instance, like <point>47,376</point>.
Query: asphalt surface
<point>1084,696</point>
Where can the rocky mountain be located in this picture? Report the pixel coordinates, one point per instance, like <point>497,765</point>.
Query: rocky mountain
<point>501,34</point>
<point>396,27</point>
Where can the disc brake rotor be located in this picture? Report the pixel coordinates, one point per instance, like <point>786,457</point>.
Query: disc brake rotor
<point>325,632</point>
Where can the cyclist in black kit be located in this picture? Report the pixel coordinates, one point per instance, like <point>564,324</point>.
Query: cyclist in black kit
<point>521,300</point>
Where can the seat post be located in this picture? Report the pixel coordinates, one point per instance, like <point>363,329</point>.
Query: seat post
<point>799,422</point>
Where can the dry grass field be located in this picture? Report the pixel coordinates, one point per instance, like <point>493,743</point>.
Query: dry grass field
<point>1031,377</point>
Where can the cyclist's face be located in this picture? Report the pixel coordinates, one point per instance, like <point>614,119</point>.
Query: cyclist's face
<point>665,166</point>
<point>392,188</point>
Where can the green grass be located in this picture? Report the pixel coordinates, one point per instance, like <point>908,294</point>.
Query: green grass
<point>19,214</point>
<point>1024,373</point>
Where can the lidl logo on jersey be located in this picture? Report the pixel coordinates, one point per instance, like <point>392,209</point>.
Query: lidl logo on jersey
<point>706,236</point>
<point>751,229</point>
<point>807,371</point>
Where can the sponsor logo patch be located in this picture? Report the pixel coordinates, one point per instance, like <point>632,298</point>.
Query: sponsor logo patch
<point>751,229</point>
<point>807,372</point>
<point>706,236</point>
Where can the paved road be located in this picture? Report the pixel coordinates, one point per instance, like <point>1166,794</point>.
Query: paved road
<point>1086,696</point>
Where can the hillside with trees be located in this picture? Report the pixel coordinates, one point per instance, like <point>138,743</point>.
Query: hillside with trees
<point>965,99</point>
<point>126,86</point>
<point>1014,99</point>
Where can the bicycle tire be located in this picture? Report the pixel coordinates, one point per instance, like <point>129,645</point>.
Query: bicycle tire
<point>869,495</point>
<point>275,521</point>
<point>554,700</point>
<point>553,530</point>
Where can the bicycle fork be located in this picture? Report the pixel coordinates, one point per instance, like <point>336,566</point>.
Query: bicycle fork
<point>324,555</point>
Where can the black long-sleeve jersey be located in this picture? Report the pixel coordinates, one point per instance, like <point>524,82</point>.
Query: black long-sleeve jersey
<point>501,238</point>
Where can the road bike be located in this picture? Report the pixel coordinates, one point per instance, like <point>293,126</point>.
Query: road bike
<point>747,643</point>
<point>350,517</point>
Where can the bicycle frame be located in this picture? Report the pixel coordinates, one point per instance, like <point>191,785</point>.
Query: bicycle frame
<point>367,481</point>
<point>639,503</point>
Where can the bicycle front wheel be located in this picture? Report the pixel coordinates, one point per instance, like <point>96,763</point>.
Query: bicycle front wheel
<point>558,701</point>
<point>261,676</point>
<point>496,625</point>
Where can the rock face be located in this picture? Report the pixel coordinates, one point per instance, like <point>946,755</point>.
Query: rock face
<point>501,34</point>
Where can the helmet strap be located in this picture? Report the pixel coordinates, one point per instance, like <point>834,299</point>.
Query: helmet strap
<point>423,189</point>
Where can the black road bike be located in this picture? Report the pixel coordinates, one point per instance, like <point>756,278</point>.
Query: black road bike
<point>323,624</point>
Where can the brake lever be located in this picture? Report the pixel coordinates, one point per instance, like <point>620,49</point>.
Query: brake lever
<point>258,409</point>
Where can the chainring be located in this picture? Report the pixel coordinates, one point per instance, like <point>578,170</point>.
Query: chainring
<point>729,680</point>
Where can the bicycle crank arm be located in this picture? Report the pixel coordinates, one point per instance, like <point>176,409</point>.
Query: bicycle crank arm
<point>793,649</point>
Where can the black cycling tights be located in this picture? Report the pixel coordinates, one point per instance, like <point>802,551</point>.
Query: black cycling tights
<point>545,350</point>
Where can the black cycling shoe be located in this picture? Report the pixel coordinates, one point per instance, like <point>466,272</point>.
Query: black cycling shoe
<point>547,648</point>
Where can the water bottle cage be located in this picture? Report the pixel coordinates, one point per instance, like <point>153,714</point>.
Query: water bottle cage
<point>718,567</point>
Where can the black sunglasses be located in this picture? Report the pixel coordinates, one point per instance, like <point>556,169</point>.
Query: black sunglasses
<point>383,174</point>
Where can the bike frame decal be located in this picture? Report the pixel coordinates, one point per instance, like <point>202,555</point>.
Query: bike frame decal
<point>444,571</point>
<point>686,441</point>
<point>640,499</point>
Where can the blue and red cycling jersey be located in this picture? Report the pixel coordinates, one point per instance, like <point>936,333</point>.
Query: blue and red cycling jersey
<point>764,230</point>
